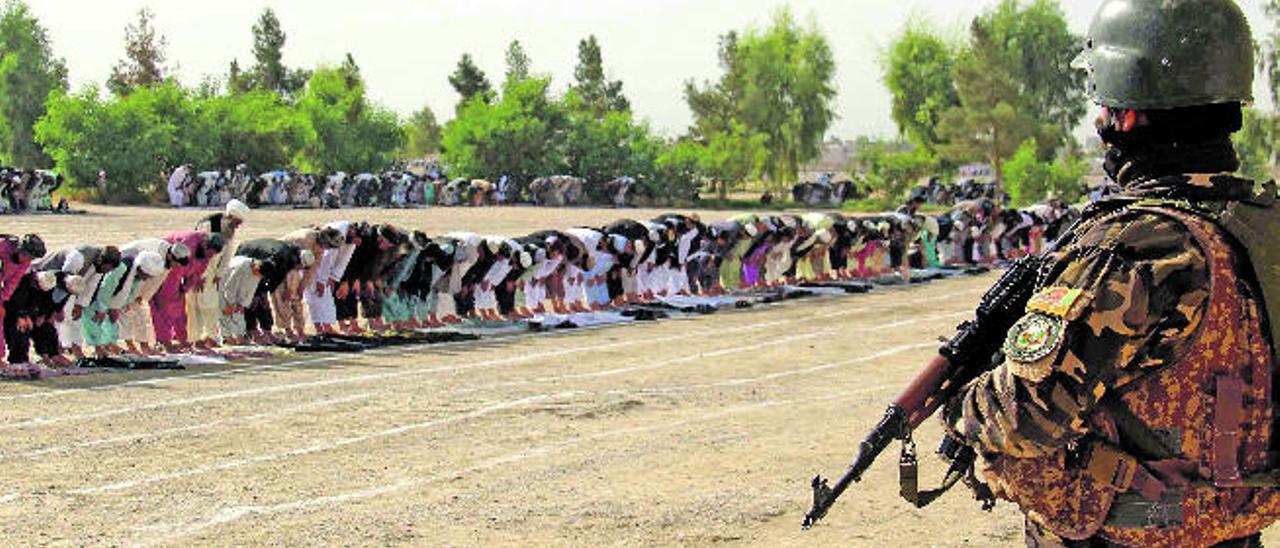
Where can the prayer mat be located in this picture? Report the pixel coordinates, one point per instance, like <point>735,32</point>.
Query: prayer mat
<point>543,322</point>
<point>132,363</point>
<point>846,286</point>
<point>359,343</point>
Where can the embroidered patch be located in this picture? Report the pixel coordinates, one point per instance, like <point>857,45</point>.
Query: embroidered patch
<point>1054,301</point>
<point>1035,336</point>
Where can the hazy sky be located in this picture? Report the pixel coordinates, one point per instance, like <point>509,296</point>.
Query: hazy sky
<point>407,48</point>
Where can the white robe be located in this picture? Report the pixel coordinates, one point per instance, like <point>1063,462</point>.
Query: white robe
<point>135,323</point>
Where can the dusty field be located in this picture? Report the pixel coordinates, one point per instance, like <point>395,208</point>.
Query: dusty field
<point>695,431</point>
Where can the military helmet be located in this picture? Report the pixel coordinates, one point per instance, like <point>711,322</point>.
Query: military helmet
<point>1165,54</point>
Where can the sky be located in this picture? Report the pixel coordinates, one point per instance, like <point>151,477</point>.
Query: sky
<point>407,48</point>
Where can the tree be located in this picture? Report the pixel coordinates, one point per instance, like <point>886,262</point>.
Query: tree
<point>422,134</point>
<point>469,81</point>
<point>732,157</point>
<point>521,135</point>
<point>1269,50</point>
<point>715,106</point>
<point>602,149</point>
<point>349,133</point>
<point>787,73</point>
<point>269,72</point>
<point>268,46</point>
<point>890,169</point>
<point>599,94</point>
<point>992,119</point>
<point>919,72</point>
<point>1258,144</point>
<point>28,72</point>
<point>143,65</point>
<point>518,63</point>
<point>1035,47</point>
<point>1030,180</point>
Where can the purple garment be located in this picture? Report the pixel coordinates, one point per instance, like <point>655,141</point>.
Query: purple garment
<point>754,264</point>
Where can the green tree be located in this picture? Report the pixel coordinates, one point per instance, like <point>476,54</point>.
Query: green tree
<point>733,157</point>
<point>518,63</point>
<point>889,170</point>
<point>469,81</point>
<point>268,51</point>
<point>602,149</point>
<point>1030,180</point>
<point>788,73</point>
<point>29,73</point>
<point>521,135</point>
<point>144,61</point>
<point>422,134</point>
<point>1269,50</point>
<point>1035,48</point>
<point>919,72</point>
<point>993,119</point>
<point>1258,144</point>
<point>255,128</point>
<point>349,133</point>
<point>715,106</point>
<point>599,94</point>
<point>129,136</point>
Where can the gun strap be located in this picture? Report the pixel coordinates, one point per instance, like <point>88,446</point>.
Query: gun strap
<point>909,477</point>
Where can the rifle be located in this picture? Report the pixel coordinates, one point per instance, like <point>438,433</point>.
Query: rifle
<point>961,359</point>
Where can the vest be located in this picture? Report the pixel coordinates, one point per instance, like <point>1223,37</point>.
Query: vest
<point>1203,427</point>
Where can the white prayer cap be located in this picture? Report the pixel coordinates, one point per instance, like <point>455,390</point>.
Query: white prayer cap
<point>238,209</point>
<point>180,251</point>
<point>75,284</point>
<point>46,280</point>
<point>150,263</point>
<point>750,229</point>
<point>73,264</point>
<point>824,236</point>
<point>619,242</point>
<point>526,260</point>
<point>308,258</point>
<point>493,244</point>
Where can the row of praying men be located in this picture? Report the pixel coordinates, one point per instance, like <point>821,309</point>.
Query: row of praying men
<point>198,289</point>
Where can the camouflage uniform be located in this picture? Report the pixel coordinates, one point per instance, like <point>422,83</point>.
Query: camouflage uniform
<point>1101,420</point>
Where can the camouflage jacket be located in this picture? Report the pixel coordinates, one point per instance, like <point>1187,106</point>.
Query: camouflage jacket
<point>1143,287</point>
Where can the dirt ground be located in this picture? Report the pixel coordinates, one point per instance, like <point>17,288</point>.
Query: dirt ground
<point>695,431</point>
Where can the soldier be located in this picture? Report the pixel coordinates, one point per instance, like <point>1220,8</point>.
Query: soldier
<point>1133,403</point>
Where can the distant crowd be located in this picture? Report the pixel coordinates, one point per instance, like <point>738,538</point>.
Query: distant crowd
<point>187,187</point>
<point>29,191</point>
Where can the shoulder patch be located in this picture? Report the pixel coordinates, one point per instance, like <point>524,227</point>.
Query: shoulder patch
<point>1035,336</point>
<point>1060,301</point>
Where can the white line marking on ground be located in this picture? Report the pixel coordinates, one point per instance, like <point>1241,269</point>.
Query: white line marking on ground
<point>780,374</point>
<point>237,513</point>
<point>342,442</point>
<point>319,447</point>
<point>235,422</point>
<point>45,421</point>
